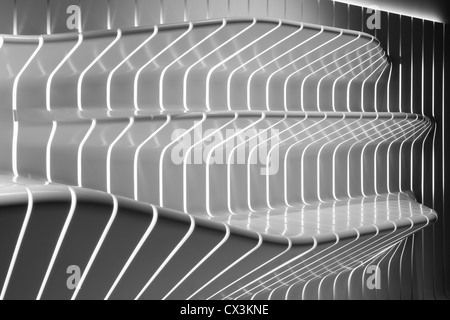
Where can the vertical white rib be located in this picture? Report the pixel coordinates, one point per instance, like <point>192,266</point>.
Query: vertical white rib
<point>169,257</point>
<point>52,74</point>
<point>97,247</point>
<point>48,151</point>
<point>80,153</point>
<point>60,241</point>
<point>15,107</point>
<point>19,243</point>
<point>135,251</point>
<point>48,18</point>
<point>15,18</point>
<point>80,79</point>
<point>108,155</point>
<point>137,153</point>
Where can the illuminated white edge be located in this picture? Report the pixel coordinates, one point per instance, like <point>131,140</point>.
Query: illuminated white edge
<point>108,14</point>
<point>404,11</point>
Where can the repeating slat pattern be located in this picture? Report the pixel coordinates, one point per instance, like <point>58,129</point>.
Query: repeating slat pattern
<point>219,263</point>
<point>398,158</point>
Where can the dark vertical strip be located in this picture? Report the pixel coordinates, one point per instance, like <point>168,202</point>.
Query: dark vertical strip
<point>15,18</point>
<point>7,16</point>
<point>394,53</point>
<point>31,17</point>
<point>417,267</point>
<point>355,18</point>
<point>405,60</point>
<point>94,14</point>
<point>427,234</point>
<point>293,10</point>
<point>446,134</point>
<point>122,13</point>
<point>427,155</point>
<point>406,270</point>
<point>417,105</point>
<point>427,105</point>
<point>438,247</point>
<point>382,35</point>
<point>366,15</point>
<point>310,11</point>
<point>326,13</point>
<point>340,15</point>
<point>48,17</point>
<point>59,16</point>
<point>405,81</point>
<point>417,65</point>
